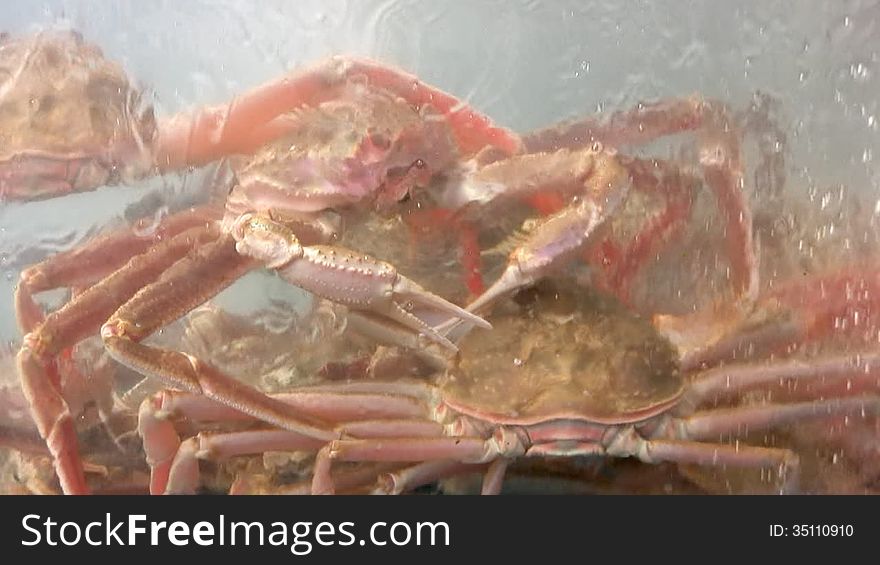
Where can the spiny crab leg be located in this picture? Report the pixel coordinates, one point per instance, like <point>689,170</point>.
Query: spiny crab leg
<point>78,319</point>
<point>720,159</point>
<point>185,285</point>
<point>85,265</point>
<point>601,183</point>
<point>174,463</point>
<point>256,117</point>
<point>364,284</point>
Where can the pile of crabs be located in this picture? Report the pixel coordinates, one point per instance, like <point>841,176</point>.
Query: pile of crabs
<point>490,311</point>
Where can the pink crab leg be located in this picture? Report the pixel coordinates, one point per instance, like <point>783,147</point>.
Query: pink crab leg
<point>85,265</point>
<point>54,421</point>
<point>340,406</point>
<point>628,127</point>
<point>236,127</point>
<point>683,452</point>
<point>360,282</point>
<point>714,423</point>
<point>468,450</point>
<point>726,381</point>
<point>184,286</point>
<point>494,477</point>
<point>220,446</point>
<point>408,478</point>
<point>564,234</point>
<point>68,326</point>
<point>169,457</point>
<point>502,443</point>
<point>345,481</point>
<point>719,157</point>
<point>161,443</point>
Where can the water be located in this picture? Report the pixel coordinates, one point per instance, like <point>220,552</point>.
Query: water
<point>527,65</point>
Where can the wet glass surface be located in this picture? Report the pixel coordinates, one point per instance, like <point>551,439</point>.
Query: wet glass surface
<point>737,217</point>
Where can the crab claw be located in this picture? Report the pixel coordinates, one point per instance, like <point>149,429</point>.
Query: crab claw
<point>367,285</point>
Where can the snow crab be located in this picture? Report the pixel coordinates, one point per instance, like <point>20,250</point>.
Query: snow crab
<point>349,138</point>
<point>565,372</point>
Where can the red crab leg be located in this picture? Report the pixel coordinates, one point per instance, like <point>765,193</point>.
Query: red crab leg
<point>238,126</point>
<point>68,326</point>
<point>651,177</point>
<point>719,157</point>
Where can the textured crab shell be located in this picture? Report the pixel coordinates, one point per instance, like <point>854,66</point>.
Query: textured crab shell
<point>60,96</point>
<point>343,151</point>
<point>572,355</point>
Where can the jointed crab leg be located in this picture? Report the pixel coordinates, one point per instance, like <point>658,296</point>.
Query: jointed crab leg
<point>78,319</point>
<point>370,414</point>
<point>364,284</point>
<point>187,284</point>
<point>257,116</point>
<point>675,451</point>
<point>562,235</point>
<point>848,370</point>
<point>85,265</point>
<point>720,159</point>
<point>677,187</point>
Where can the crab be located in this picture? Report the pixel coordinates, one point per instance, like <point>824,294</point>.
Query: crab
<point>565,372</point>
<point>350,138</point>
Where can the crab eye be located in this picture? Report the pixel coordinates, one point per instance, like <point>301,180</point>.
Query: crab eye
<point>596,147</point>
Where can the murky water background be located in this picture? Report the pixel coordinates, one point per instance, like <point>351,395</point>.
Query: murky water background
<point>527,64</point>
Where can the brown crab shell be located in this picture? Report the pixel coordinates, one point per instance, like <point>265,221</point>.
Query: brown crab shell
<point>566,355</point>
<point>62,100</point>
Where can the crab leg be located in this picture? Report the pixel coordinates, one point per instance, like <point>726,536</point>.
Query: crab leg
<point>718,422</point>
<point>78,319</point>
<point>364,284</point>
<point>494,477</point>
<point>727,381</point>
<point>720,158</point>
<point>676,186</point>
<point>408,478</point>
<point>187,284</point>
<point>712,454</point>
<point>366,414</point>
<point>463,449</point>
<point>604,182</point>
<point>85,265</point>
<point>254,118</point>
